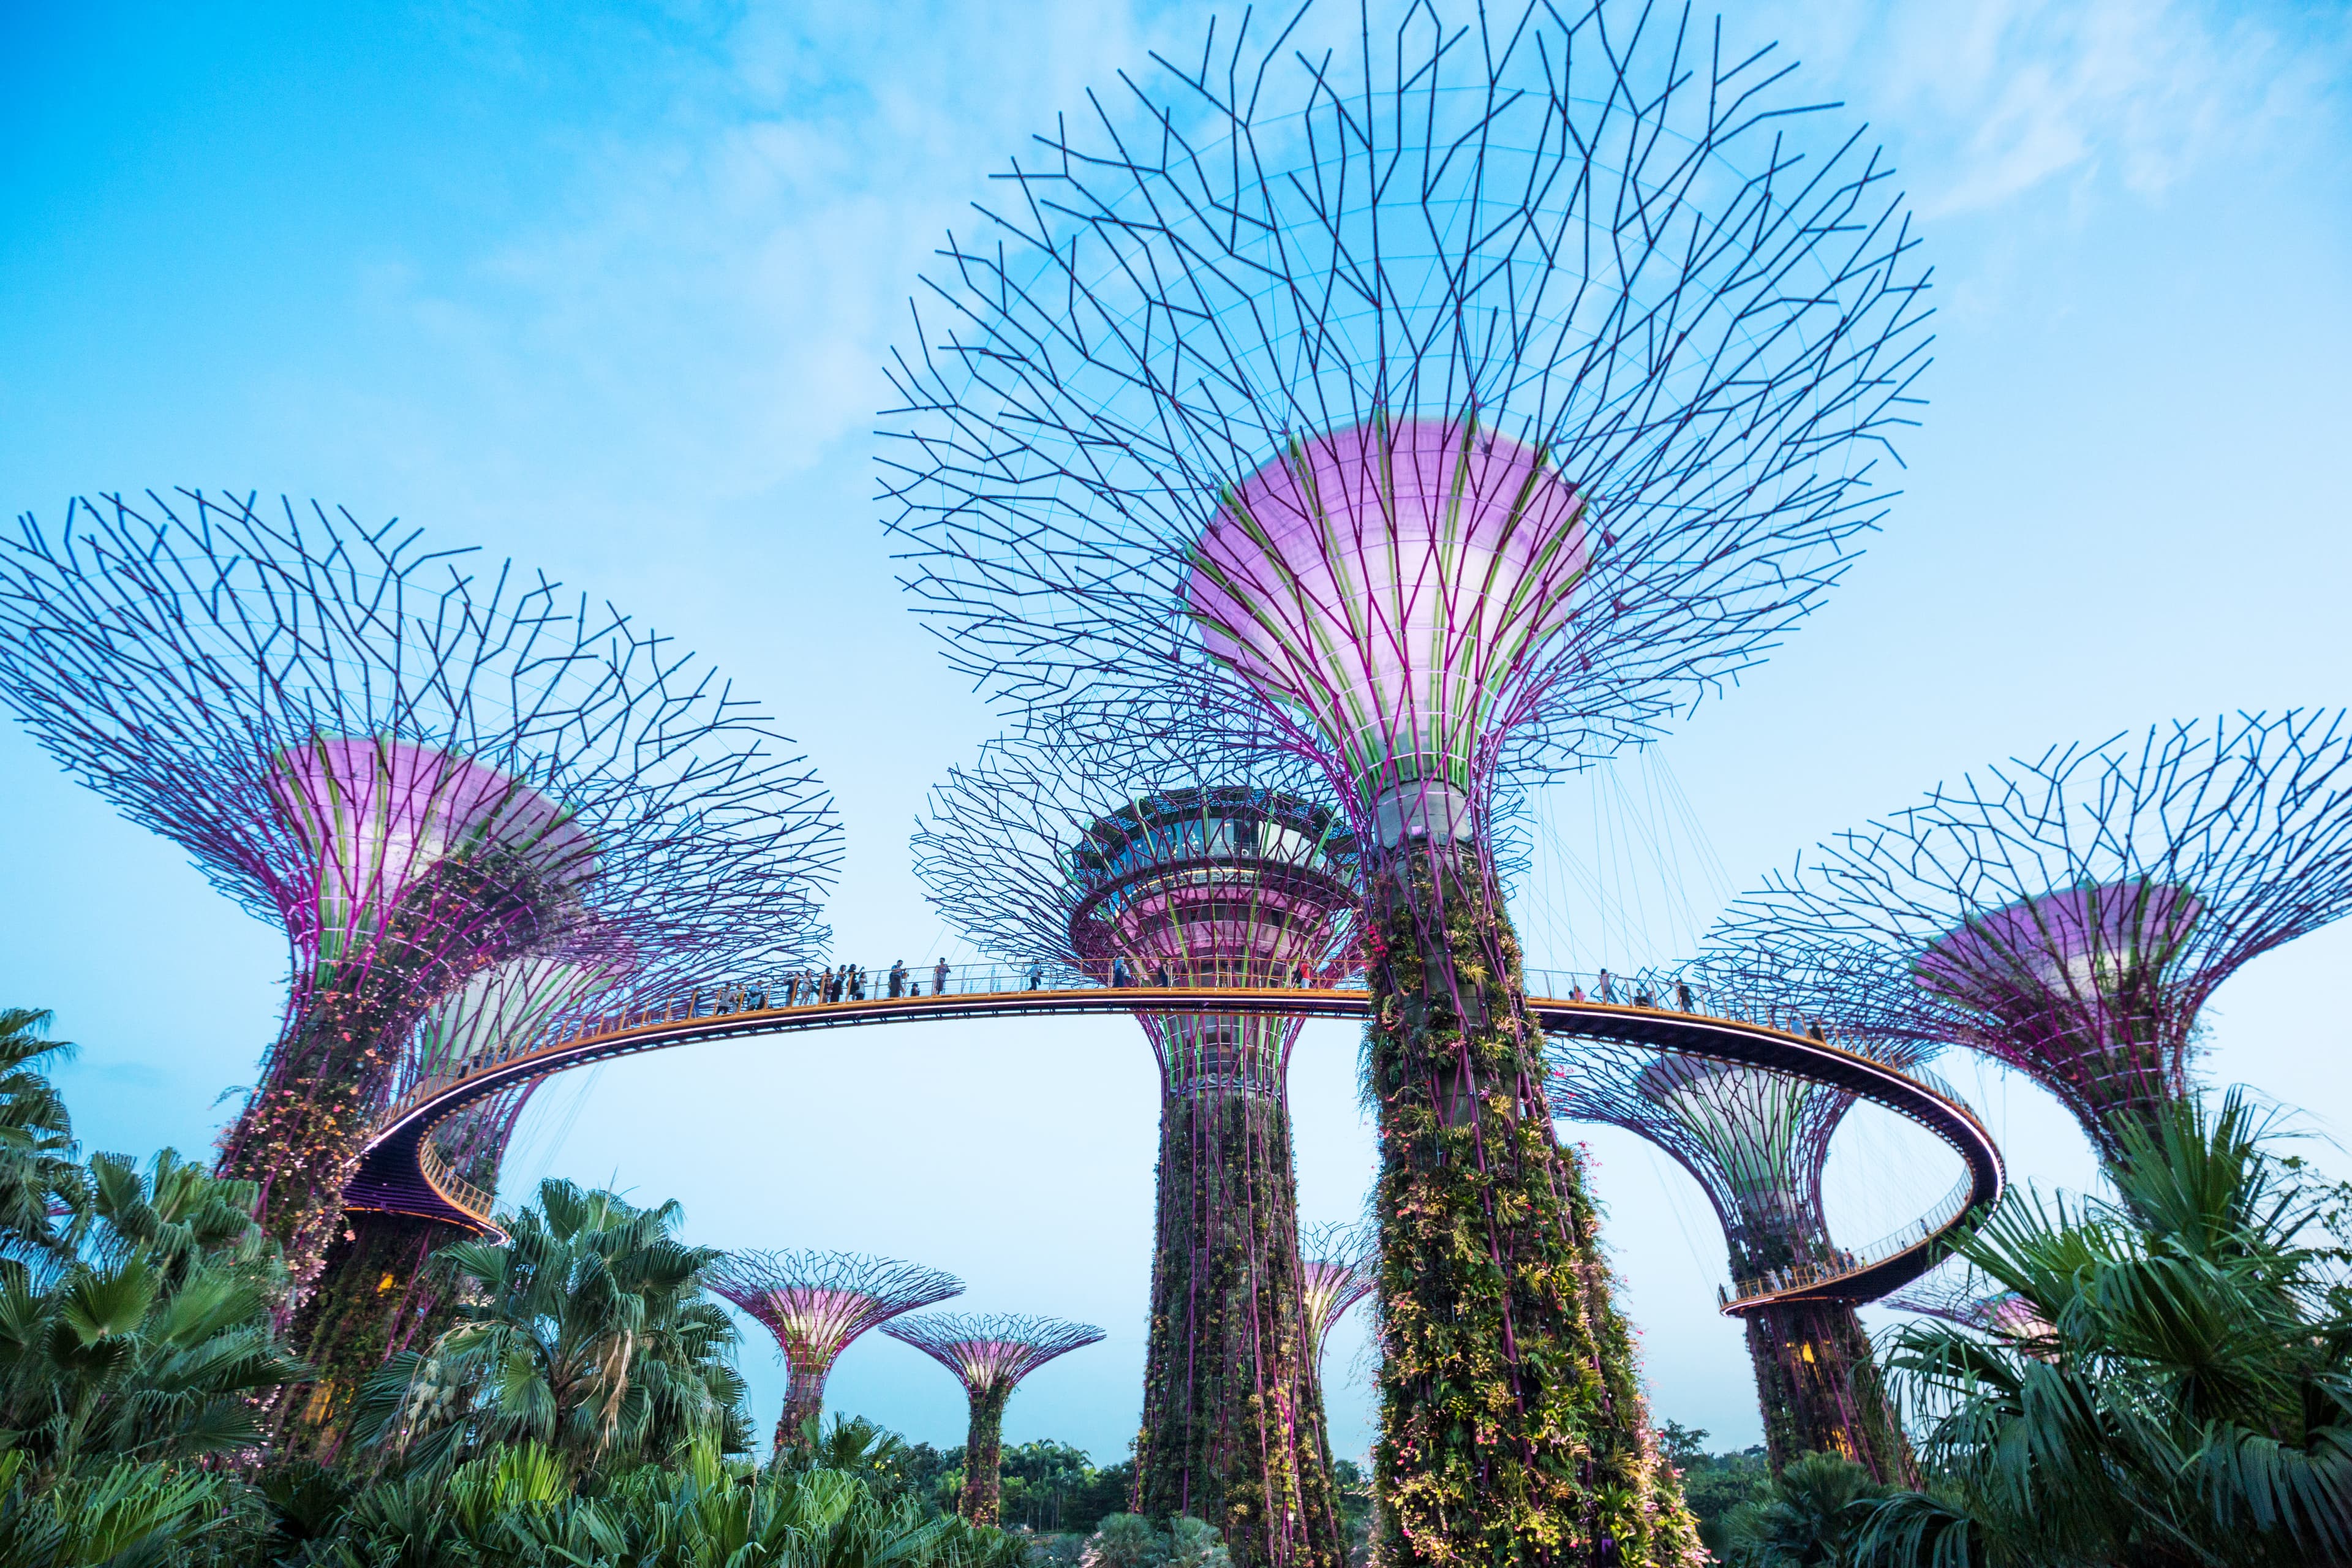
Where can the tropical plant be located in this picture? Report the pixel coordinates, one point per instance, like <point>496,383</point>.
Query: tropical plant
<point>517,1505</point>
<point>1126,1541</point>
<point>1811,1518</point>
<point>585,1331</point>
<point>125,1514</point>
<point>2180,1392</point>
<point>39,1181</point>
<point>157,1343</point>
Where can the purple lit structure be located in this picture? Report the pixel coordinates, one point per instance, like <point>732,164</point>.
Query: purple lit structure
<point>418,773</point>
<point>989,1356</point>
<point>1461,402</point>
<point>1338,1268</point>
<point>1186,880</point>
<point>815,1303</point>
<point>2069,916</point>
<point>1757,1142</point>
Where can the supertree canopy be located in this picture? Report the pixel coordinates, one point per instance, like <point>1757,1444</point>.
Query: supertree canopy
<point>815,1303</point>
<point>1463,399</point>
<point>1757,1142</point>
<point>1339,1268</point>
<point>1178,876</point>
<point>989,1356</point>
<point>2070,915</point>
<point>418,773</point>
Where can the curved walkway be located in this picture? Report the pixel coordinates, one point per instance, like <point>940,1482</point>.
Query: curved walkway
<point>399,1173</point>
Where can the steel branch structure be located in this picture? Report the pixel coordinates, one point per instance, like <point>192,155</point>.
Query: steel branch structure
<point>1169,880</point>
<point>1340,1265</point>
<point>1757,1142</point>
<point>419,773</point>
<point>815,1303</point>
<point>1461,401</point>
<point>989,1356</point>
<point>2071,914</point>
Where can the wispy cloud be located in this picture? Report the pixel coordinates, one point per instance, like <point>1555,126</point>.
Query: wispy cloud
<point>1989,100</point>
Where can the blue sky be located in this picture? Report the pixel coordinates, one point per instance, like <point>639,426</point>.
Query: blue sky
<point>609,290</point>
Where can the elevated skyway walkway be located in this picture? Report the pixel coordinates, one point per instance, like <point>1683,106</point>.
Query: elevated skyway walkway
<point>401,1170</point>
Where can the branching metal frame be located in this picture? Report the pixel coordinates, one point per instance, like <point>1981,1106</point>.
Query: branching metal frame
<point>1341,1266</point>
<point>1585,232</point>
<point>416,771</point>
<point>2070,915</point>
<point>816,1303</point>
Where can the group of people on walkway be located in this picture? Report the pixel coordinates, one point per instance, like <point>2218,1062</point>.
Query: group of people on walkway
<point>846,982</point>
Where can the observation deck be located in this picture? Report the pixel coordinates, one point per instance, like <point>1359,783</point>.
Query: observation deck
<point>400,1171</point>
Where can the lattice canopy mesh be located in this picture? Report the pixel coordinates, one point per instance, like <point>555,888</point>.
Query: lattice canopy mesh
<point>986,1354</point>
<point>2070,915</point>
<point>1339,1266</point>
<point>1459,401</point>
<point>397,758</point>
<point>815,1303</point>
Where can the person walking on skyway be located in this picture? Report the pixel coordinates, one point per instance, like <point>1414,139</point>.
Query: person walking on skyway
<point>897,977</point>
<point>939,978</point>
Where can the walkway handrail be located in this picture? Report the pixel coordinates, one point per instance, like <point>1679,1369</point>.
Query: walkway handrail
<point>1775,1284</point>
<point>443,1179</point>
<point>396,1154</point>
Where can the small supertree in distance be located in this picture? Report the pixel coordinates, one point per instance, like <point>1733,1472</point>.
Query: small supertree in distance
<point>1466,400</point>
<point>416,772</point>
<point>1758,1141</point>
<point>2070,915</point>
<point>1340,1265</point>
<point>989,1356</point>
<point>815,1303</point>
<point>1173,876</point>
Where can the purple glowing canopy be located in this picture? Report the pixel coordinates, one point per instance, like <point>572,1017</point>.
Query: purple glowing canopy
<point>992,1352</point>
<point>2069,914</point>
<point>1396,580</point>
<point>2086,944</point>
<point>374,815</point>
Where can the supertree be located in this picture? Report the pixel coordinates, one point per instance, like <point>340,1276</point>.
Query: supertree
<point>989,1356</point>
<point>1174,875</point>
<point>2068,915</point>
<point>418,773</point>
<point>1757,1142</point>
<point>377,1296</point>
<point>815,1303</point>
<point>1339,1267</point>
<point>1465,400</point>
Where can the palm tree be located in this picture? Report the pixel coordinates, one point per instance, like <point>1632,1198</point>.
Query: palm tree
<point>2180,1392</point>
<point>39,1181</point>
<point>1810,1519</point>
<point>585,1331</point>
<point>156,1341</point>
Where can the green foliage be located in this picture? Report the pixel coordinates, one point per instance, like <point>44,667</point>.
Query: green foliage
<point>123,1514</point>
<point>1810,1517</point>
<point>158,1342</point>
<point>1131,1540</point>
<point>1512,1425</point>
<point>39,1181</point>
<point>586,1331</point>
<point>2180,1391</point>
<point>1714,1485</point>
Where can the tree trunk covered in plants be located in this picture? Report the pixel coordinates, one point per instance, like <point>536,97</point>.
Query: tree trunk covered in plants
<point>375,1298</point>
<point>1821,1392</point>
<point>1232,1424</point>
<point>301,1136</point>
<point>1512,1425</point>
<point>983,1454</point>
<point>803,1405</point>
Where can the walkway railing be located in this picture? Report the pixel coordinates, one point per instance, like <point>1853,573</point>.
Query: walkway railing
<point>443,1178</point>
<point>1672,1017</point>
<point>1809,1275</point>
